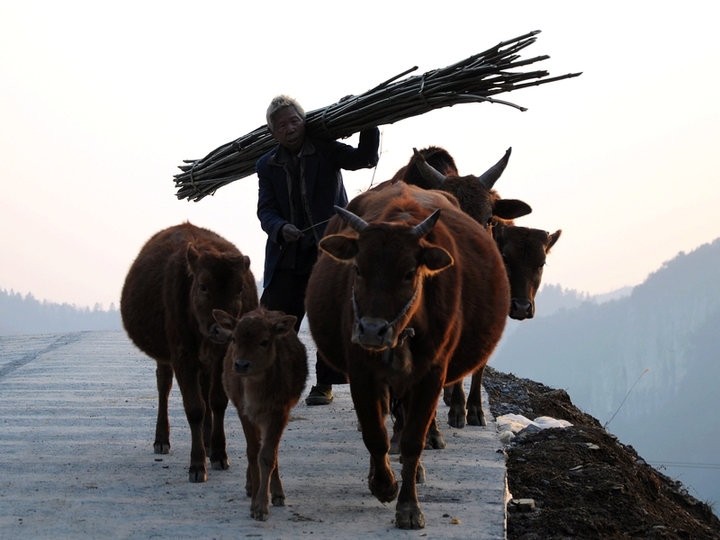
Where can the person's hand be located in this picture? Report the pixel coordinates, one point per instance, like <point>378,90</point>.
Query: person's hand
<point>291,233</point>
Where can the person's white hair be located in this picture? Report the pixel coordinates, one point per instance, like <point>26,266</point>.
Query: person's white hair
<point>280,102</point>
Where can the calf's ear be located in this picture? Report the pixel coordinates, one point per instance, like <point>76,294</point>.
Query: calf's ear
<point>339,247</point>
<point>285,324</point>
<point>435,259</point>
<point>224,319</point>
<point>554,238</point>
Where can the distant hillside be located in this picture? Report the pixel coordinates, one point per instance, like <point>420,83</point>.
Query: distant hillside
<point>664,339</point>
<point>552,298</point>
<point>27,315</point>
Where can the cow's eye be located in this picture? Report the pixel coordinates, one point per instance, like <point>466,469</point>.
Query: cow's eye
<point>410,275</point>
<point>203,288</point>
<point>264,343</point>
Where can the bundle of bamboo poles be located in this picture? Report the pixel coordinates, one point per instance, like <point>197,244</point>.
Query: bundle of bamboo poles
<point>473,80</point>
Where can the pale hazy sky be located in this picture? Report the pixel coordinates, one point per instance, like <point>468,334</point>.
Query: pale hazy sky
<point>101,101</point>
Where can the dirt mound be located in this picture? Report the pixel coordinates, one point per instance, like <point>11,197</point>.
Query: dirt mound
<point>583,482</point>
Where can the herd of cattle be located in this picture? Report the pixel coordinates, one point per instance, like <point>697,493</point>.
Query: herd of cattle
<point>410,294</point>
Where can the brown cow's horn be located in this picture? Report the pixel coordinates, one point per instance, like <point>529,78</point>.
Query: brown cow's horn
<point>421,229</point>
<point>490,176</point>
<point>351,219</point>
<point>427,171</point>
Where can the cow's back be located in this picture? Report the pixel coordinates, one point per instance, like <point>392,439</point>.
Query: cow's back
<point>155,295</point>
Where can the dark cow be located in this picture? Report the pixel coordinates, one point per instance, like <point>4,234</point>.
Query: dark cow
<point>524,252</point>
<point>411,295</point>
<point>264,375</point>
<point>434,168</point>
<point>180,276</point>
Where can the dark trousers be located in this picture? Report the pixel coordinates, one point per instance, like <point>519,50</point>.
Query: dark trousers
<point>286,292</point>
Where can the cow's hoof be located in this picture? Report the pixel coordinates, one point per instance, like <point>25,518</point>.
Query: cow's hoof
<point>456,419</point>
<point>384,492</point>
<point>434,441</point>
<point>161,447</point>
<point>476,417</point>
<point>409,518</point>
<point>220,464</point>
<point>198,474</point>
<point>278,500</point>
<point>259,514</point>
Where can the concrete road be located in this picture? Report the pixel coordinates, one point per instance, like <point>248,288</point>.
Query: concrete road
<point>77,415</point>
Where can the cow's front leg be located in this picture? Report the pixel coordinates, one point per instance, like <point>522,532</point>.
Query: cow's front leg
<point>475,414</point>
<point>370,406</point>
<point>419,412</point>
<point>252,451</point>
<point>269,475</point>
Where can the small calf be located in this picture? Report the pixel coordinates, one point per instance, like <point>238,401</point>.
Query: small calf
<point>264,376</point>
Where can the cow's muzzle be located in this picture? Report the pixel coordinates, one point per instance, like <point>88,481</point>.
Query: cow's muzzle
<point>521,309</point>
<point>241,366</point>
<point>373,334</point>
<point>377,334</point>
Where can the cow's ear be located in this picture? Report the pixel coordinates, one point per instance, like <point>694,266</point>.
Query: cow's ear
<point>554,238</point>
<point>224,319</point>
<point>339,247</point>
<point>436,259</point>
<point>285,324</point>
<point>192,255</point>
<point>511,208</point>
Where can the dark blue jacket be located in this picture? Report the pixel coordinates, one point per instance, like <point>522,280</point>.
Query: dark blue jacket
<point>322,188</point>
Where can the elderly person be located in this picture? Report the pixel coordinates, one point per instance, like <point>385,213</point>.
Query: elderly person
<point>299,184</point>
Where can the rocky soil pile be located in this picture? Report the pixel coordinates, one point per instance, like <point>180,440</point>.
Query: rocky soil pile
<point>582,481</point>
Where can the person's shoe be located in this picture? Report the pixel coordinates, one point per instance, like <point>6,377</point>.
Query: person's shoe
<point>320,395</point>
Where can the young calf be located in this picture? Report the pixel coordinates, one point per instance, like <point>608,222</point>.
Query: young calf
<point>264,376</point>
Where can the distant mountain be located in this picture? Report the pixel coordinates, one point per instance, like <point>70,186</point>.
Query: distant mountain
<point>552,298</point>
<point>647,364</point>
<point>27,315</point>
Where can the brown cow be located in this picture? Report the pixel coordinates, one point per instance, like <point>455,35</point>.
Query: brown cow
<point>264,375</point>
<point>411,296</point>
<point>181,274</point>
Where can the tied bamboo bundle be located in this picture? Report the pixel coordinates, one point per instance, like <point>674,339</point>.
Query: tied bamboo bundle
<point>473,80</point>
